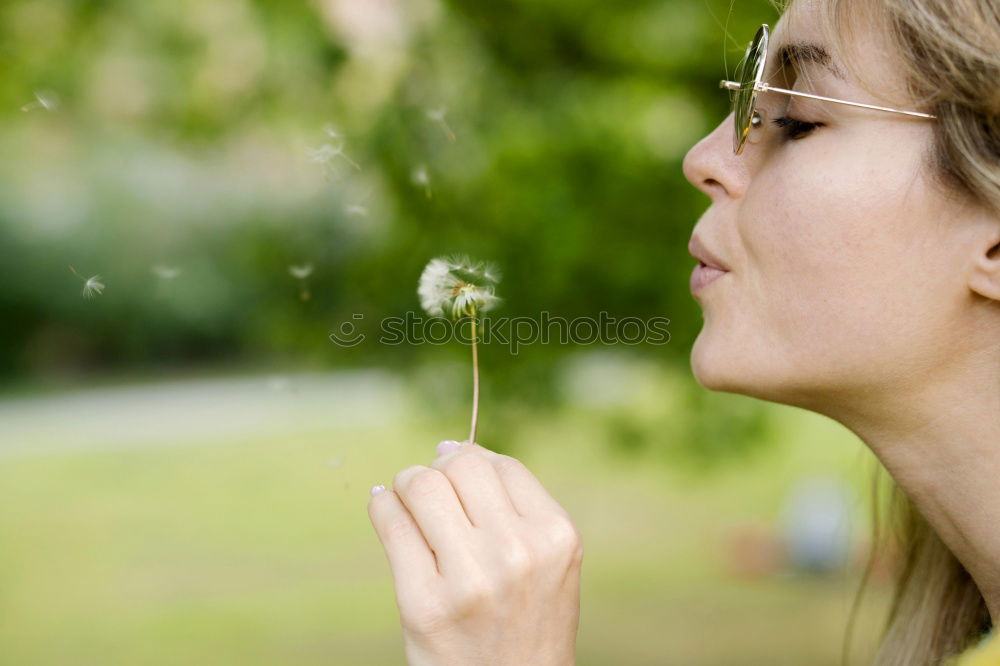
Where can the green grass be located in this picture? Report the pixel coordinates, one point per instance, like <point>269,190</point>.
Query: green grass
<point>257,551</point>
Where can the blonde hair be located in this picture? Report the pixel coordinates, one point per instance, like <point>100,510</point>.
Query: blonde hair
<point>947,53</point>
<point>936,609</point>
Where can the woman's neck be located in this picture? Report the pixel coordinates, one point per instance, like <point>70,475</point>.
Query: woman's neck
<point>940,441</point>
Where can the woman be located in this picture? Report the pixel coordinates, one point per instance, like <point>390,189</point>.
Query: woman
<point>857,274</point>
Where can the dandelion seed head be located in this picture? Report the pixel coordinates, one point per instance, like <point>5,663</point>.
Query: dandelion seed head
<point>458,286</point>
<point>93,286</point>
<point>356,209</point>
<point>301,272</point>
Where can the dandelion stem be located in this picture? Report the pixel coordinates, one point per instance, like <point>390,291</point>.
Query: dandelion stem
<point>475,384</point>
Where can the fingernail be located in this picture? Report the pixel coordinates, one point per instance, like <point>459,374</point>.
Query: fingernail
<point>447,446</point>
<point>377,489</point>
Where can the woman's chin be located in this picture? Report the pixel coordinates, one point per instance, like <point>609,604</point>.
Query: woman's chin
<point>709,365</point>
<point>718,366</point>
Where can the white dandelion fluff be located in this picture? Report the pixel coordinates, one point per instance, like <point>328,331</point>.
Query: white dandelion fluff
<point>300,272</point>
<point>437,115</point>
<point>43,100</point>
<point>356,209</point>
<point>458,286</point>
<point>321,155</point>
<point>91,286</point>
<point>326,152</point>
<point>166,272</point>
<point>420,176</point>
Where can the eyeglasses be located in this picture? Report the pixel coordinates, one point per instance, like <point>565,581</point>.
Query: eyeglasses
<point>750,74</point>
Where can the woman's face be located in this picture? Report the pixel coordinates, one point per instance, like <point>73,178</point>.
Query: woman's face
<point>846,266</point>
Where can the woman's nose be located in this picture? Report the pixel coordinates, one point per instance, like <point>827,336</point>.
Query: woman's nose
<point>712,166</point>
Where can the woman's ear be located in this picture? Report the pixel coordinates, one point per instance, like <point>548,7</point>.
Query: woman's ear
<point>985,277</point>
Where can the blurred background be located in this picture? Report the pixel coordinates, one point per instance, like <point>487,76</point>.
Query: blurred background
<point>195,194</point>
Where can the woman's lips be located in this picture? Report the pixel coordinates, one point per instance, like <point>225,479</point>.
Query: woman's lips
<point>703,276</point>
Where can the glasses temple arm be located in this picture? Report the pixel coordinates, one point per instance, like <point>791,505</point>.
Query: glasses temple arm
<point>734,85</point>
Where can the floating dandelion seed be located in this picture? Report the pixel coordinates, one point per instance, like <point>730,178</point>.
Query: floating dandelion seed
<point>43,100</point>
<point>459,287</point>
<point>421,177</point>
<point>320,155</point>
<point>437,115</point>
<point>358,207</point>
<point>166,272</point>
<point>334,148</point>
<point>91,285</point>
<point>324,155</point>
<point>164,275</point>
<point>301,273</point>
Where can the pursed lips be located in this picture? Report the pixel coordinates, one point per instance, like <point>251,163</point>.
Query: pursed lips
<point>698,250</point>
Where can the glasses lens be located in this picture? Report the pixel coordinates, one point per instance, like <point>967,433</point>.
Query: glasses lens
<point>745,98</point>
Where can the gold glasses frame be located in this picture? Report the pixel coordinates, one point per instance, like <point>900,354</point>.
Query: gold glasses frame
<point>751,74</point>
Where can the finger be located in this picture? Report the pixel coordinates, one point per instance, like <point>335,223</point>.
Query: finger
<point>525,491</point>
<point>414,567</point>
<point>431,500</point>
<point>478,486</point>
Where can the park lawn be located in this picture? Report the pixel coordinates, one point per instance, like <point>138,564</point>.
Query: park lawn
<point>260,551</point>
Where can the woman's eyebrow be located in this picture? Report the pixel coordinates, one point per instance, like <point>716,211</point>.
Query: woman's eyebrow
<point>799,53</point>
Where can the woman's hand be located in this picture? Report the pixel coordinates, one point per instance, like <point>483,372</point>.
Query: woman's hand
<point>485,562</point>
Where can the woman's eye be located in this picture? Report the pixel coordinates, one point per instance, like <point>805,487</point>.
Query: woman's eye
<point>795,129</point>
